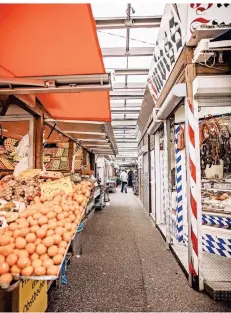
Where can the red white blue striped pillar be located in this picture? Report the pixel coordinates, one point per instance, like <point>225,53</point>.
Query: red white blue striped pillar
<point>193,194</point>
<point>179,187</point>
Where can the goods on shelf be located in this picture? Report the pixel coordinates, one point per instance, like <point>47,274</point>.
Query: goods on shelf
<point>216,201</point>
<point>20,189</point>
<point>35,245</point>
<point>56,159</point>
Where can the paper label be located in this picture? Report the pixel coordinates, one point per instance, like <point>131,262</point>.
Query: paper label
<point>30,173</point>
<point>62,184</point>
<point>33,296</point>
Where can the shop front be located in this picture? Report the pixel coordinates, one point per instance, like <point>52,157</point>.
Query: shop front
<point>190,168</point>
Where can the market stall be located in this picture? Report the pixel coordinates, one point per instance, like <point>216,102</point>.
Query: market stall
<point>55,133</point>
<point>191,202</point>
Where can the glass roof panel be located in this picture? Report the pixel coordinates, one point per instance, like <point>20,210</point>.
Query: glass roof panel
<point>117,103</point>
<point>115,9</point>
<point>113,63</point>
<point>134,102</point>
<point>143,37</point>
<point>101,9</point>
<point>150,8</point>
<point>112,38</point>
<point>120,79</point>
<point>140,62</point>
<point>137,78</point>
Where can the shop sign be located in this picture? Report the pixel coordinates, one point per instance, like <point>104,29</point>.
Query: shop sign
<point>208,16</point>
<point>32,296</point>
<point>169,44</point>
<point>62,184</point>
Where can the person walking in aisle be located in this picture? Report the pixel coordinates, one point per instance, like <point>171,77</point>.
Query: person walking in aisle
<point>124,181</point>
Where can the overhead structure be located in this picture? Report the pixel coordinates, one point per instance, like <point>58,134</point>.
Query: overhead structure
<point>135,22</point>
<point>121,52</point>
<point>127,43</point>
<point>95,136</point>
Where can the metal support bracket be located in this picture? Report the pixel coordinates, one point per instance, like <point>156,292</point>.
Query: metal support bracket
<point>56,84</point>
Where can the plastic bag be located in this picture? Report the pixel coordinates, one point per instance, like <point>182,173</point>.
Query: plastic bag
<point>22,165</point>
<point>23,152</point>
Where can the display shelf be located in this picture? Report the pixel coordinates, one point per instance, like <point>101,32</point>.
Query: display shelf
<point>217,214</point>
<point>216,190</point>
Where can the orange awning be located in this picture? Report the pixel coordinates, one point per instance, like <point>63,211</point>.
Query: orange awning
<point>54,39</point>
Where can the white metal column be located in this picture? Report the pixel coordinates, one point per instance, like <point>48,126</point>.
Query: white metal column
<point>167,204</point>
<point>153,185</point>
<point>158,200</point>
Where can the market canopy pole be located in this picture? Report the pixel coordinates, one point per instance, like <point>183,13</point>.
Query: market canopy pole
<point>38,142</point>
<point>194,182</point>
<point>70,154</point>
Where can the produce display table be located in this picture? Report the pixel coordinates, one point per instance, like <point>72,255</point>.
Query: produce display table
<point>28,292</point>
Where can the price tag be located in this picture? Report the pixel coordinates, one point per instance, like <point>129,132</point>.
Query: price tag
<point>62,184</point>
<point>30,173</point>
<point>32,296</point>
<point>207,186</point>
<point>222,186</point>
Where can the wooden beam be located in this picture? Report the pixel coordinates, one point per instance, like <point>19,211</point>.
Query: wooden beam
<point>38,142</point>
<point>70,154</point>
<point>36,110</point>
<point>218,69</point>
<point>190,75</point>
<point>84,156</point>
<point>4,105</point>
<point>92,161</point>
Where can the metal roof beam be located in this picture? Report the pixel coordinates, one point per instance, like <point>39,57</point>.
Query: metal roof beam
<point>121,52</point>
<point>120,105</point>
<point>127,97</point>
<point>123,127</point>
<point>125,111</point>
<point>127,93</point>
<point>124,122</point>
<point>134,22</point>
<point>56,84</point>
<point>126,141</point>
<point>130,71</point>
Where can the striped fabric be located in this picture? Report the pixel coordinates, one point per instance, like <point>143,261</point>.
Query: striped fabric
<point>179,190</point>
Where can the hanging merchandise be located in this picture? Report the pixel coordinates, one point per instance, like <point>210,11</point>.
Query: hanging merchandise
<point>2,150</point>
<point>180,139</point>
<point>23,152</point>
<point>210,144</point>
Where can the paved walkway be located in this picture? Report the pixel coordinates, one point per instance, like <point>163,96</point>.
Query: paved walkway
<point>125,267</point>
